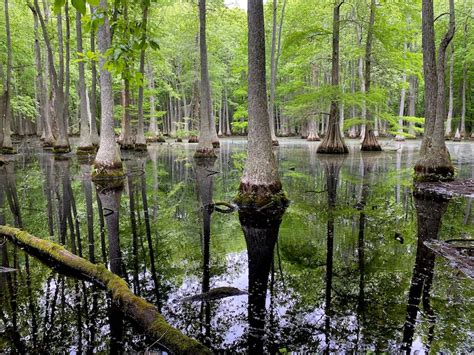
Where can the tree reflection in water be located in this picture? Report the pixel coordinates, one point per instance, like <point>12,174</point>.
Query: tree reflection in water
<point>429,211</point>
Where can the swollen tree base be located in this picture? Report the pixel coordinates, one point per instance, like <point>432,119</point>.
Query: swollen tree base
<point>142,312</point>
<point>140,147</point>
<point>107,173</point>
<point>8,150</point>
<point>260,196</point>
<point>61,149</point>
<point>370,143</point>
<point>205,153</point>
<point>434,165</point>
<point>193,139</point>
<point>87,150</point>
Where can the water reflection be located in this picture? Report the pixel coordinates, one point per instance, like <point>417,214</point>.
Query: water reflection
<point>261,230</point>
<point>339,280</point>
<point>204,186</point>
<point>429,211</point>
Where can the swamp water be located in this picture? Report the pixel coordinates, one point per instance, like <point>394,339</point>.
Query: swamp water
<point>346,270</point>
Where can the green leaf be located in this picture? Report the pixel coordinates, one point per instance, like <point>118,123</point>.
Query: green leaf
<point>80,6</point>
<point>57,5</point>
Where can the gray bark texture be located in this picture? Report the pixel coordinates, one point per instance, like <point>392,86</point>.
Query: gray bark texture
<point>370,142</point>
<point>434,162</point>
<point>85,142</point>
<point>108,163</point>
<point>7,145</point>
<point>205,146</point>
<point>333,142</point>
<point>260,181</point>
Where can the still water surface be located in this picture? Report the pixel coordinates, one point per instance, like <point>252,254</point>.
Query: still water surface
<point>345,271</point>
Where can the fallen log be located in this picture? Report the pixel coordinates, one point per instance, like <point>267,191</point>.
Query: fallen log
<point>214,294</point>
<point>142,312</point>
<point>455,256</point>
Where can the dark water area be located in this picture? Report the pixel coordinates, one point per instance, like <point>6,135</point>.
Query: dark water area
<point>344,269</point>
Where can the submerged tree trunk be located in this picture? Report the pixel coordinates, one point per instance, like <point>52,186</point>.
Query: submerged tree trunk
<point>85,143</point>
<point>140,141</point>
<point>370,142</point>
<point>333,142</point>
<point>7,146</point>
<point>260,183</point>
<point>107,163</point>
<point>434,162</point>
<point>205,146</point>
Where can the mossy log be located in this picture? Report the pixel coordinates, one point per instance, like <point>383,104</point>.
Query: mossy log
<point>141,311</point>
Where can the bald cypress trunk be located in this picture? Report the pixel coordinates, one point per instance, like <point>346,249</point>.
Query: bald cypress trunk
<point>6,146</point>
<point>449,129</point>
<point>108,163</point>
<point>205,147</point>
<point>85,143</point>
<point>434,162</point>
<point>370,142</point>
<point>333,142</point>
<point>93,99</point>
<point>61,145</point>
<point>260,182</point>
<point>140,142</point>
<point>412,104</point>
<point>271,106</point>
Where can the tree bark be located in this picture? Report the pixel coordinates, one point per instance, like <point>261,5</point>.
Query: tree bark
<point>260,183</point>
<point>7,146</point>
<point>271,106</point>
<point>85,143</point>
<point>448,132</point>
<point>61,145</point>
<point>412,104</point>
<point>140,141</point>
<point>93,99</point>
<point>463,90</point>
<point>370,142</point>
<point>434,162</point>
<point>205,146</point>
<point>333,142</point>
<point>108,163</point>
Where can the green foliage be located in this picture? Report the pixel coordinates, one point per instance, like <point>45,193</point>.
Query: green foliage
<point>24,106</point>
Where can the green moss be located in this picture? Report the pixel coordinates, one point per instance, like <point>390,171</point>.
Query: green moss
<point>137,308</point>
<point>205,154</point>
<point>140,147</point>
<point>433,174</point>
<point>81,151</point>
<point>112,174</point>
<point>61,149</point>
<point>252,196</point>
<point>8,150</point>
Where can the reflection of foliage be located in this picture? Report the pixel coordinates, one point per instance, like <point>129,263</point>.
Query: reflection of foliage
<point>299,290</point>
